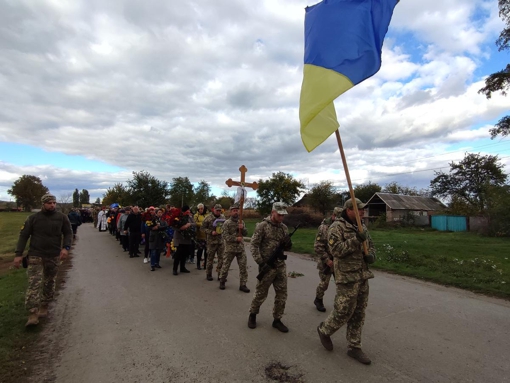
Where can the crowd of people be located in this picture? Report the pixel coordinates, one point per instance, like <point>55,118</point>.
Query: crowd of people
<point>344,250</point>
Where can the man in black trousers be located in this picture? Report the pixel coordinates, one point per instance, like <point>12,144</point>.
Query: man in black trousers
<point>133,227</point>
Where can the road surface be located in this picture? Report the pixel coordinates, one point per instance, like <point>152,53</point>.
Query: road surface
<point>115,321</point>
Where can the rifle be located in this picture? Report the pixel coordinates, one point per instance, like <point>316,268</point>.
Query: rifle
<point>275,255</point>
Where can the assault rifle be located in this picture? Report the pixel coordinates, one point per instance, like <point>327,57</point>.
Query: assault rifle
<point>275,255</point>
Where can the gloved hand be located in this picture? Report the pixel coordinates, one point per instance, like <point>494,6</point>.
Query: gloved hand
<point>361,236</point>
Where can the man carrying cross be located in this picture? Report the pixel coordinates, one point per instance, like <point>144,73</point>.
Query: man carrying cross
<point>233,237</point>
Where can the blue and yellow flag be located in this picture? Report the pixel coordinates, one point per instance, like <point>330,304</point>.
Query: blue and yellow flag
<point>343,44</point>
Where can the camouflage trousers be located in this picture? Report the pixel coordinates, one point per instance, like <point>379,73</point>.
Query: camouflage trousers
<point>278,278</point>
<point>350,303</point>
<point>324,282</point>
<point>228,257</point>
<point>41,273</point>
<point>212,249</point>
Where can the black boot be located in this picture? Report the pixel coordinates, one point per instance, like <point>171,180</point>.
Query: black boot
<point>277,323</point>
<point>222,284</point>
<point>318,303</point>
<point>244,289</point>
<point>252,321</point>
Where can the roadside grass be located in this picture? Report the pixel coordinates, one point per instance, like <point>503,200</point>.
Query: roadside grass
<point>460,259</point>
<point>14,339</point>
<point>10,226</point>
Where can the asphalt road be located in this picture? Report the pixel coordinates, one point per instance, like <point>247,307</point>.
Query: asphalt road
<point>115,321</point>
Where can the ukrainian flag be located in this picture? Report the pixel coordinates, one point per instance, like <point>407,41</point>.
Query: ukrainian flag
<point>343,44</point>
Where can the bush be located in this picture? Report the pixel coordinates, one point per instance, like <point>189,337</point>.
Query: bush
<point>303,216</point>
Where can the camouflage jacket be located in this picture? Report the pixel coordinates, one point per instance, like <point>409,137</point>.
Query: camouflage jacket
<point>230,234</point>
<point>208,227</point>
<point>266,238</point>
<point>320,245</point>
<point>347,252</point>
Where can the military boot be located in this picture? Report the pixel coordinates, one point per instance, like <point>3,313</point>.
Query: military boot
<point>222,284</point>
<point>43,310</point>
<point>318,303</point>
<point>252,321</point>
<point>33,318</point>
<point>359,355</point>
<point>325,339</point>
<point>244,289</point>
<point>277,323</point>
<point>209,277</point>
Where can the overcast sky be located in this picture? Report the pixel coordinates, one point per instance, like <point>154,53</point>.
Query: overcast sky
<point>94,90</point>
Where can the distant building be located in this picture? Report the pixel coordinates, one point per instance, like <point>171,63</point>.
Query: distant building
<point>397,207</point>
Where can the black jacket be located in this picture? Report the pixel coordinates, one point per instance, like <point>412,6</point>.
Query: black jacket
<point>134,223</point>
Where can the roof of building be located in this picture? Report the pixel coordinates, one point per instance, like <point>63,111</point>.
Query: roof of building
<point>407,202</point>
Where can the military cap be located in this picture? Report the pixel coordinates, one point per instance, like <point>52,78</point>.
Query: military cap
<point>218,207</point>
<point>48,198</point>
<point>235,206</point>
<point>280,207</point>
<point>348,204</point>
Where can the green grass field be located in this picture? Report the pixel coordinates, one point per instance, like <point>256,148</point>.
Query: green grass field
<point>13,336</point>
<point>464,260</point>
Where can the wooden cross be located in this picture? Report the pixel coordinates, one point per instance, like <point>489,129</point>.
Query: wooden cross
<point>243,184</point>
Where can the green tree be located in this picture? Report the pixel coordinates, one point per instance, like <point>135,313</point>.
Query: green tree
<point>117,193</point>
<point>97,201</point>
<point>498,212</point>
<point>181,191</point>
<point>280,187</point>
<point>500,81</point>
<point>469,180</point>
<point>225,200</point>
<point>28,190</point>
<point>395,188</point>
<point>365,191</point>
<point>145,190</point>
<point>84,197</point>
<point>76,198</point>
<point>322,197</point>
<point>202,193</point>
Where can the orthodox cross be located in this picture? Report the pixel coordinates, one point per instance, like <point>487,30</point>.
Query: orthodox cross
<point>242,184</point>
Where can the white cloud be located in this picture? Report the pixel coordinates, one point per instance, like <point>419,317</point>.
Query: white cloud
<point>198,88</point>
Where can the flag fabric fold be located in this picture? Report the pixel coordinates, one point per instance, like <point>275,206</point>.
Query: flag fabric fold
<point>343,44</point>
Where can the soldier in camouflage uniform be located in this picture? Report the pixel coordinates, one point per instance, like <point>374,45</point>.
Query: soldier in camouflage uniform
<point>345,243</point>
<point>233,233</point>
<point>45,230</point>
<point>95,212</point>
<point>266,238</point>
<point>212,226</point>
<point>324,259</point>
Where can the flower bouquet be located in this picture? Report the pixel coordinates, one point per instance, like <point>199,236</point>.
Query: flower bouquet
<point>177,220</point>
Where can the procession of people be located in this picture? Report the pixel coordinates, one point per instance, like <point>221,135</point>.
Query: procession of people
<point>343,252</point>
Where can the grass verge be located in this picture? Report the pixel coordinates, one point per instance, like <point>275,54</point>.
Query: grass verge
<point>460,259</point>
<point>14,339</point>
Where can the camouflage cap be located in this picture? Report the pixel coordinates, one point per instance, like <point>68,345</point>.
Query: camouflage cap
<point>280,207</point>
<point>337,211</point>
<point>218,207</point>
<point>348,204</point>
<point>47,198</point>
<point>234,206</point>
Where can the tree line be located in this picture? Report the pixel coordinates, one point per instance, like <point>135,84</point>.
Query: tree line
<point>476,185</point>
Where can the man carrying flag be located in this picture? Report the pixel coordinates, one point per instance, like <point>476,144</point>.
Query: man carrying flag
<point>343,45</point>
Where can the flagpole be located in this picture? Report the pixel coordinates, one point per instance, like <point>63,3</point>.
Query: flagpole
<point>351,190</point>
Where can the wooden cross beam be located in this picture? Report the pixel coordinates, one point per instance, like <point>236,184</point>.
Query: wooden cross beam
<point>243,184</point>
